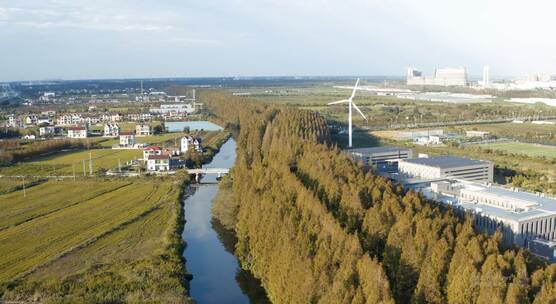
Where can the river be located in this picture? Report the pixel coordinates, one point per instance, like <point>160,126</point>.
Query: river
<point>217,277</point>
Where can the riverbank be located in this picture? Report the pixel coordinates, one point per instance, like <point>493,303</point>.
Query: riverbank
<point>209,254</point>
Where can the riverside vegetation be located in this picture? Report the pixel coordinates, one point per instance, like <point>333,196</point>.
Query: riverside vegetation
<point>315,227</point>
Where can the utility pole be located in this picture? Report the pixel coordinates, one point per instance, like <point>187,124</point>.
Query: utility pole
<point>84,168</point>
<point>24,193</point>
<point>73,170</point>
<point>119,166</point>
<point>90,163</point>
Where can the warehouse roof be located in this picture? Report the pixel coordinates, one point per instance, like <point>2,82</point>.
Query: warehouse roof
<point>445,161</point>
<point>375,150</point>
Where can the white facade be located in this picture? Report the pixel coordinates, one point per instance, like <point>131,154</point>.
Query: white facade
<point>521,216</point>
<point>188,142</point>
<point>69,119</point>
<point>440,77</point>
<point>127,139</point>
<point>158,163</point>
<point>447,167</point>
<point>111,130</point>
<point>143,130</point>
<point>48,130</point>
<point>77,133</point>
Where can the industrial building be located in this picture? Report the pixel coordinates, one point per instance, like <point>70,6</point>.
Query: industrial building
<point>440,77</point>
<point>379,155</point>
<point>440,167</point>
<point>525,219</point>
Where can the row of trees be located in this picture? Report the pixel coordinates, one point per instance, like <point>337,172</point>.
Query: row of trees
<point>316,227</point>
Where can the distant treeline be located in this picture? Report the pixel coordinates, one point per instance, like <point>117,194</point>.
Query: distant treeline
<point>315,227</point>
<point>12,150</point>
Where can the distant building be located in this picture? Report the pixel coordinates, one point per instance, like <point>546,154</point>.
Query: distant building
<point>440,77</point>
<point>127,139</point>
<point>45,120</point>
<point>31,119</point>
<point>189,142</point>
<point>477,133</point>
<point>158,163</point>
<point>143,130</point>
<point>77,132</point>
<point>151,150</point>
<point>29,136</point>
<point>47,130</point>
<point>413,135</point>
<point>111,130</point>
<point>447,167</point>
<point>525,219</point>
<point>429,140</point>
<point>69,119</point>
<point>179,109</point>
<point>379,155</point>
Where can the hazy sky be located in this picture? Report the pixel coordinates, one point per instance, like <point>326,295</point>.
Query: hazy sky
<point>73,39</point>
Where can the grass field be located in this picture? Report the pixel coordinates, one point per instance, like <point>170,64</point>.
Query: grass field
<point>102,240</point>
<point>526,131</point>
<point>534,150</point>
<point>64,163</point>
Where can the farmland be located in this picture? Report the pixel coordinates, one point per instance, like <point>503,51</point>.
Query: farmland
<point>534,150</point>
<point>113,234</point>
<point>64,163</point>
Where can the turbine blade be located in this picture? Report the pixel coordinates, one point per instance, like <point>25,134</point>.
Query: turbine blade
<point>355,88</point>
<point>359,110</point>
<point>338,102</point>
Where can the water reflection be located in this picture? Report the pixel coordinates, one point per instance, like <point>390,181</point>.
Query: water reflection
<point>217,277</point>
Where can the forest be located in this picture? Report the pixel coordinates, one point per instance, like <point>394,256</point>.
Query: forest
<point>316,227</point>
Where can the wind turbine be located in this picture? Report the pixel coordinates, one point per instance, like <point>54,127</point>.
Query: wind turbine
<point>350,103</point>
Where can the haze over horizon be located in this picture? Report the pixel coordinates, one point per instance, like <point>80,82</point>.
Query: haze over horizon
<point>62,39</point>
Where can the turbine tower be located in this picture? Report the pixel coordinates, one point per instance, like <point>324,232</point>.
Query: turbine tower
<point>350,103</point>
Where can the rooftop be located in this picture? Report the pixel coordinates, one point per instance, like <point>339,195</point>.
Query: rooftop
<point>153,148</point>
<point>443,162</point>
<point>374,150</point>
<point>162,157</point>
<point>533,205</point>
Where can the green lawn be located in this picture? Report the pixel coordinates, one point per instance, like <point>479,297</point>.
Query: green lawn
<point>534,150</point>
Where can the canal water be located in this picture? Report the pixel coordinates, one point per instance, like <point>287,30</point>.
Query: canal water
<point>217,277</point>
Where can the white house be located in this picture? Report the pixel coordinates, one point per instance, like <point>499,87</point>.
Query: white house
<point>158,163</point>
<point>188,142</point>
<point>29,136</point>
<point>48,130</point>
<point>111,130</point>
<point>77,132</point>
<point>143,130</point>
<point>150,151</point>
<point>127,139</point>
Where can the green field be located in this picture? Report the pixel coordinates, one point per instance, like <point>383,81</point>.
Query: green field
<point>64,163</point>
<point>534,150</point>
<point>66,239</point>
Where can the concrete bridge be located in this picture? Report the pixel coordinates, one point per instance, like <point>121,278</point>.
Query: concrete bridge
<point>202,171</point>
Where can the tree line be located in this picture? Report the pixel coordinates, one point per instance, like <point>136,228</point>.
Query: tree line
<point>316,227</point>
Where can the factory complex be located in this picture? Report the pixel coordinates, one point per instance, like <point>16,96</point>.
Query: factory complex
<point>525,219</point>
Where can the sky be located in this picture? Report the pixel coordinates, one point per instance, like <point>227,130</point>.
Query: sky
<point>75,39</point>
